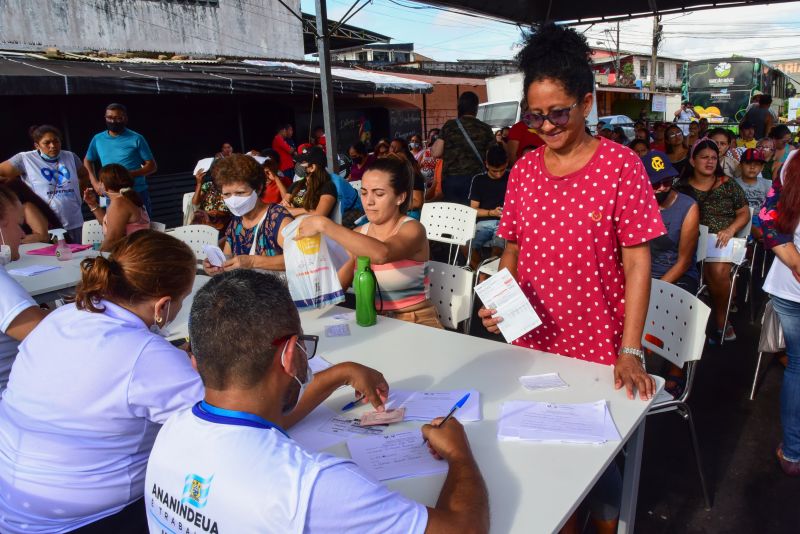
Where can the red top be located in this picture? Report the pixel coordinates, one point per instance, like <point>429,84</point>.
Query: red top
<point>569,230</point>
<point>283,149</point>
<point>526,137</point>
<point>271,194</point>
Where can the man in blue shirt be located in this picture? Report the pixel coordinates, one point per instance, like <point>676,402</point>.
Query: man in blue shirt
<point>120,145</point>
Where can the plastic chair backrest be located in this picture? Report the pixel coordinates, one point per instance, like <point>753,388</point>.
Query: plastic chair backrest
<point>197,235</point>
<point>450,223</point>
<point>451,292</point>
<point>675,328</point>
<point>158,227</point>
<point>702,243</point>
<point>745,232</point>
<point>739,250</point>
<point>188,208</point>
<point>356,184</point>
<point>92,232</point>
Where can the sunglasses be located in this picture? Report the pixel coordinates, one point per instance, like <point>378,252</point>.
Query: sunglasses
<point>674,135</point>
<point>557,117</point>
<point>663,183</point>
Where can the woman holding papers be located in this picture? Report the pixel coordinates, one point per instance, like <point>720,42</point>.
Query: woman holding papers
<point>19,314</point>
<point>723,208</point>
<point>578,215</point>
<point>253,239</point>
<point>780,219</point>
<point>89,390</point>
<point>395,243</point>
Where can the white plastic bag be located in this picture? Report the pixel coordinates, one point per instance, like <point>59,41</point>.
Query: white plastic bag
<point>311,270</point>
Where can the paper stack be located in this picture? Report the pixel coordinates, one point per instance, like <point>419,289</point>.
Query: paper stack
<point>589,422</point>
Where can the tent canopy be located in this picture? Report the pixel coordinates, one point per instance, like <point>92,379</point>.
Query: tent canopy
<point>531,11</point>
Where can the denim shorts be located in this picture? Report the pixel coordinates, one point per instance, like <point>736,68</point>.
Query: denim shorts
<point>486,235</point>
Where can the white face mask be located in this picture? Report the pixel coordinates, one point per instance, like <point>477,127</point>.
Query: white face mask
<point>162,329</point>
<point>5,251</point>
<point>303,385</point>
<point>241,206</point>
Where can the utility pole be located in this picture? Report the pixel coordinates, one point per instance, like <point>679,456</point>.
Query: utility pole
<point>328,112</point>
<point>616,59</point>
<point>654,54</point>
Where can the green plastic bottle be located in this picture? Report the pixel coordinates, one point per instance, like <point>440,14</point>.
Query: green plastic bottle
<point>364,284</point>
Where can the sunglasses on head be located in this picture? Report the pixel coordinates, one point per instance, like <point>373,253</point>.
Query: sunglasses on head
<point>557,117</point>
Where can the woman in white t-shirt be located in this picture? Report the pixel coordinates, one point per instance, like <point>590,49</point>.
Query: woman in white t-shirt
<point>90,389</point>
<point>780,222</point>
<point>19,314</point>
<point>57,176</point>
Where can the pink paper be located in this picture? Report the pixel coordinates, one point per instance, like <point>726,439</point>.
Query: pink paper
<point>51,250</point>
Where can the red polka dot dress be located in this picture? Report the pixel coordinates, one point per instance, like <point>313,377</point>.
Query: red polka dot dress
<point>570,231</point>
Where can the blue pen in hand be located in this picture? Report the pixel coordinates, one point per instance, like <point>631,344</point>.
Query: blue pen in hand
<point>355,403</point>
<point>447,417</point>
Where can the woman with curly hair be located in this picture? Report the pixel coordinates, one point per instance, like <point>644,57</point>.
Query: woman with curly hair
<point>578,215</point>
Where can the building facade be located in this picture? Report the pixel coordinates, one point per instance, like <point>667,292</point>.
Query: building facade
<point>234,28</point>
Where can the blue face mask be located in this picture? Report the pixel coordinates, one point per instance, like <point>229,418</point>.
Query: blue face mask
<point>47,158</point>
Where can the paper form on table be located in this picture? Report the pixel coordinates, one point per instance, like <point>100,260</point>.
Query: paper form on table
<point>394,456</point>
<point>428,405</point>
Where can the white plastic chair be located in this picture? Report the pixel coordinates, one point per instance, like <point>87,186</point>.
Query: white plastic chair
<point>188,208</point>
<point>450,223</point>
<point>744,233</point>
<point>702,252</point>
<point>158,227</point>
<point>92,232</point>
<point>356,184</point>
<point>675,330</point>
<point>451,293</point>
<point>740,261</point>
<point>197,235</point>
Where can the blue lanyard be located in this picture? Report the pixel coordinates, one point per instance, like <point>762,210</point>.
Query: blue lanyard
<point>213,414</point>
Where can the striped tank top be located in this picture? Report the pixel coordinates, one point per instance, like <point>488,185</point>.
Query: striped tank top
<point>402,283</point>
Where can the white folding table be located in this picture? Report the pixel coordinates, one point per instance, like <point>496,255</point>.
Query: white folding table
<point>49,286</point>
<point>533,487</point>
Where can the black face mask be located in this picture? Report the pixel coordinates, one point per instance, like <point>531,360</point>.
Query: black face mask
<point>116,127</point>
<point>357,159</point>
<point>661,196</point>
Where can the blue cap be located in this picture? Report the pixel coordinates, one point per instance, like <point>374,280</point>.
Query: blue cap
<point>658,166</point>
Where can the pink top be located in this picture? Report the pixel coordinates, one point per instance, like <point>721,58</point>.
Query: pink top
<point>142,223</point>
<point>569,230</point>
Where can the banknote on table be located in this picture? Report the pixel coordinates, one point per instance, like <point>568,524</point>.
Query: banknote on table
<point>383,418</point>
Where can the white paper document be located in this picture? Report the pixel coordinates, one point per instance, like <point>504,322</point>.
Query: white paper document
<point>542,382</point>
<point>395,456</point>
<point>713,252</point>
<point>214,255</point>
<point>348,316</point>
<point>502,293</point>
<point>428,405</point>
<point>337,330</point>
<point>33,270</point>
<point>319,364</point>
<point>589,422</point>
<point>306,432</point>
<point>203,164</point>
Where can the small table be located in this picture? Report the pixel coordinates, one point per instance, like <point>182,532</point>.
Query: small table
<point>533,487</point>
<point>49,286</point>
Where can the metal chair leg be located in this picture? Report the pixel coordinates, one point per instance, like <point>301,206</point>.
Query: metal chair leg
<point>696,447</point>
<point>764,263</point>
<point>755,377</point>
<point>728,308</point>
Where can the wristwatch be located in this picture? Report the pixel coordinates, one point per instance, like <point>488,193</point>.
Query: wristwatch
<point>639,353</point>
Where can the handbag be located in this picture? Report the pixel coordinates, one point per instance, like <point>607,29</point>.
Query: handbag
<point>771,340</point>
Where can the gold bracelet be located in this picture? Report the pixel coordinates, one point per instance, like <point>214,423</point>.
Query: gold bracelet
<point>94,208</point>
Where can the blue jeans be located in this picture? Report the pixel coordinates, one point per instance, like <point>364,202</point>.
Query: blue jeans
<point>486,234</point>
<point>789,314</point>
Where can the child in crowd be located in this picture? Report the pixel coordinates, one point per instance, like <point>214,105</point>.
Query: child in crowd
<point>487,194</point>
<point>755,187</point>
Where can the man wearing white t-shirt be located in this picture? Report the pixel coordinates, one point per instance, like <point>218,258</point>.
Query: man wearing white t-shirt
<point>226,465</point>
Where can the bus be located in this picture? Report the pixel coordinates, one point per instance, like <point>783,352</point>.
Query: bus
<point>720,89</point>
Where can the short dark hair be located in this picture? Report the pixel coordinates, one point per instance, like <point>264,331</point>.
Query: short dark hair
<point>779,131</point>
<point>720,131</point>
<point>37,132</point>
<point>496,156</point>
<point>764,100</point>
<point>238,168</point>
<point>359,147</point>
<point>234,319</point>
<point>117,107</point>
<point>632,144</point>
<point>558,53</point>
<point>468,103</point>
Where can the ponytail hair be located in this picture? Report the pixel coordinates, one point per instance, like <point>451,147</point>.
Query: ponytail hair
<point>117,178</point>
<point>142,266</point>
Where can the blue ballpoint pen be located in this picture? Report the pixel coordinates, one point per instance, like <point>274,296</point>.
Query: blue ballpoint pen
<point>455,407</point>
<point>351,405</point>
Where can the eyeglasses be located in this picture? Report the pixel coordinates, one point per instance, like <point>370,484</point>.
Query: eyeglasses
<point>308,344</point>
<point>557,117</point>
<point>667,182</point>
